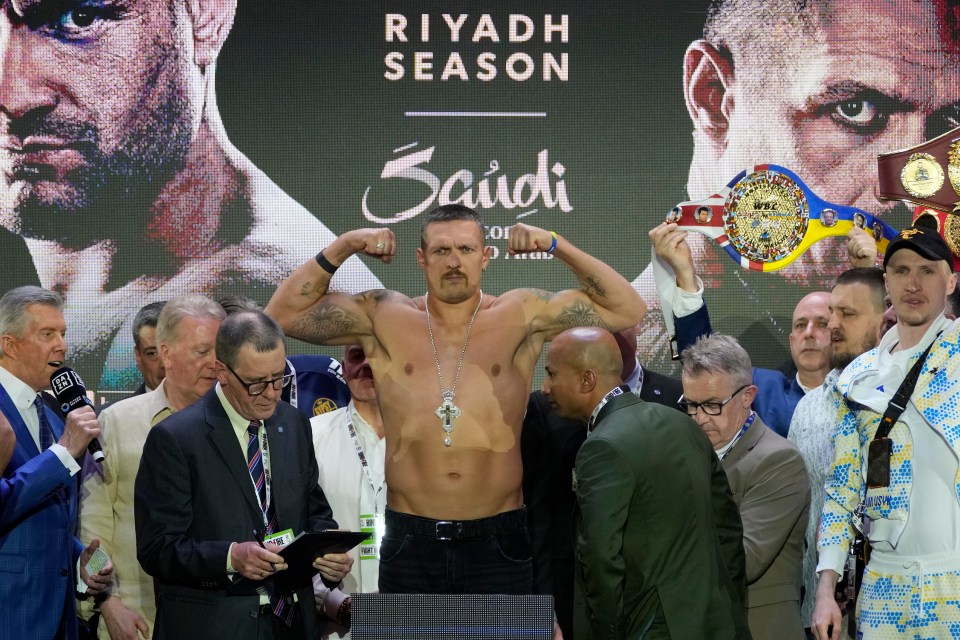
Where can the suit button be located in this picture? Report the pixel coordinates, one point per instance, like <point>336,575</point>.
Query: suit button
<point>64,573</point>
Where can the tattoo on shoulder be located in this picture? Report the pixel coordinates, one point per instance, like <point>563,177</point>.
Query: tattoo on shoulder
<point>580,314</point>
<point>591,285</point>
<point>325,322</point>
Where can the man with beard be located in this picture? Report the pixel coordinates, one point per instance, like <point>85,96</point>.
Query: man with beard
<point>119,172</point>
<point>856,320</point>
<point>814,87</point>
<point>894,473</point>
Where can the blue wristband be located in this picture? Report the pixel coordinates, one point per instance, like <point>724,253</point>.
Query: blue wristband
<point>553,245</point>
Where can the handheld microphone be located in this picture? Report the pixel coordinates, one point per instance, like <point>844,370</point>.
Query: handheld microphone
<point>71,393</point>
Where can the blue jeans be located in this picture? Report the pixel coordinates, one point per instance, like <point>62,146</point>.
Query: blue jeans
<point>490,555</point>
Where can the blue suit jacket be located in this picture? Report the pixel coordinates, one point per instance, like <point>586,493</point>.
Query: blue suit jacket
<point>38,549</point>
<point>777,394</point>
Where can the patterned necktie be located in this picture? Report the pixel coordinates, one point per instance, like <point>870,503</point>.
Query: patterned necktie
<point>282,605</point>
<point>46,433</point>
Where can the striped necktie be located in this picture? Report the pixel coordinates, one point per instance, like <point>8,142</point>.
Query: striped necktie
<point>283,606</point>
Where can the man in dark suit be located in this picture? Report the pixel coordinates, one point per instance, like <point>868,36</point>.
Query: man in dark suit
<point>212,477</point>
<point>549,446</point>
<point>647,565</point>
<point>38,490</point>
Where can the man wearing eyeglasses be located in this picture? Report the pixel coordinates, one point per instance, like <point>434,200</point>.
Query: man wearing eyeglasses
<point>216,479</point>
<point>767,477</point>
<point>186,332</point>
<point>649,565</point>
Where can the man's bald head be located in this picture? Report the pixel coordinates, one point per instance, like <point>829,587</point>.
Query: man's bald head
<point>591,348</point>
<point>583,364</point>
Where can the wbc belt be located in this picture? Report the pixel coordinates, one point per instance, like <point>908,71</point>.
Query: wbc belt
<point>766,217</point>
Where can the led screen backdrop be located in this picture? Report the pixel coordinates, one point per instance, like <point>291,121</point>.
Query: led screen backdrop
<point>571,116</point>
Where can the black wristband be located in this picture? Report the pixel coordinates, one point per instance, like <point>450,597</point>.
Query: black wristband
<point>325,264</point>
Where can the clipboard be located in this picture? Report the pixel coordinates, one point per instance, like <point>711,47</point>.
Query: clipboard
<point>299,555</point>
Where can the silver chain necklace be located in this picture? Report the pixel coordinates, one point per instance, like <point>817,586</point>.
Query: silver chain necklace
<point>447,411</point>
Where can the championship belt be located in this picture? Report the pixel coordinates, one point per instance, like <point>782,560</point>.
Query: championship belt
<point>766,218</point>
<point>927,175</point>
<point>947,225</point>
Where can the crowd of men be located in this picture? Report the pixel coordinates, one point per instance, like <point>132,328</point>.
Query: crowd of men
<point>736,502</point>
<point>646,506</point>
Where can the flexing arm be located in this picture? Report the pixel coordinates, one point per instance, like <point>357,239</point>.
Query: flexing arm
<point>306,308</point>
<point>605,298</point>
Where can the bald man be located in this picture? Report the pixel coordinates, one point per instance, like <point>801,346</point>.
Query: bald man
<point>685,577</point>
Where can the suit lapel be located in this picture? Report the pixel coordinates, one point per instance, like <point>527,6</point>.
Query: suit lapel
<point>745,445</point>
<point>623,400</point>
<point>25,441</point>
<point>225,442</point>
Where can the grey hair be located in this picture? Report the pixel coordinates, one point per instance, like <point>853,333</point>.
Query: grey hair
<point>233,303</point>
<point>247,327</point>
<point>717,354</point>
<point>148,316</point>
<point>178,309</point>
<point>14,318</point>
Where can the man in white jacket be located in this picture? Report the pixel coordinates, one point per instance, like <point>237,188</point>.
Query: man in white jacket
<point>350,454</point>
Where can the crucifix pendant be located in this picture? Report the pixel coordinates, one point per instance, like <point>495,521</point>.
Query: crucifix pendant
<point>447,412</point>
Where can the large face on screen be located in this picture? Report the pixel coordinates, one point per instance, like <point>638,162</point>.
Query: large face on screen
<point>98,101</point>
<point>822,93</point>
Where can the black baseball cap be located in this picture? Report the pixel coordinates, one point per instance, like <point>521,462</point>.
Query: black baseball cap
<point>923,240</point>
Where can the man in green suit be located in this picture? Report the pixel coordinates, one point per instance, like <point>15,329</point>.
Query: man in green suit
<point>659,539</point>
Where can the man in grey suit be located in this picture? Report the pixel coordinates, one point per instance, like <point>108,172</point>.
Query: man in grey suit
<point>236,464</point>
<point>647,565</point>
<point>767,476</point>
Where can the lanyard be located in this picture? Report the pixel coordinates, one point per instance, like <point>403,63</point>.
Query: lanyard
<point>265,459</point>
<point>613,393</point>
<point>736,438</point>
<point>363,463</point>
<point>293,384</point>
